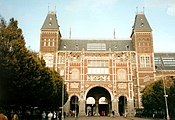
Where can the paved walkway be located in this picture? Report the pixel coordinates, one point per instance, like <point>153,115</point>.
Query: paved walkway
<point>106,118</point>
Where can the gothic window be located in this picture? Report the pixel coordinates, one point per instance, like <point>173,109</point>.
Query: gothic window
<point>145,61</point>
<point>44,42</point>
<point>98,71</point>
<point>98,63</point>
<point>61,59</point>
<point>121,73</point>
<point>98,67</point>
<point>53,42</point>
<point>49,42</point>
<point>48,59</point>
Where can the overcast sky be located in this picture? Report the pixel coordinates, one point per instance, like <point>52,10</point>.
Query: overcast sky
<point>94,19</point>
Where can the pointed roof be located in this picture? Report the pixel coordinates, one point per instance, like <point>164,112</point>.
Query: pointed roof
<point>141,23</point>
<point>50,21</point>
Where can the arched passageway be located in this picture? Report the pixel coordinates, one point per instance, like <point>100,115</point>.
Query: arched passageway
<point>98,102</point>
<point>122,105</point>
<point>74,107</point>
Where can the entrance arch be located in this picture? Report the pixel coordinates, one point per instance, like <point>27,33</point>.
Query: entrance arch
<point>102,101</point>
<point>74,107</point>
<point>122,105</point>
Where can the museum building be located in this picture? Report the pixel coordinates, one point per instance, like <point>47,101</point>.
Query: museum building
<point>105,75</point>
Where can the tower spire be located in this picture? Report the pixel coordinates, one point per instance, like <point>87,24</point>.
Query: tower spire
<point>48,7</point>
<point>137,10</point>
<point>70,33</point>
<point>114,34</point>
<point>55,8</point>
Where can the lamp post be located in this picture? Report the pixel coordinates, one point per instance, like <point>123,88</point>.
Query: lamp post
<point>62,117</point>
<point>166,104</point>
<point>165,95</point>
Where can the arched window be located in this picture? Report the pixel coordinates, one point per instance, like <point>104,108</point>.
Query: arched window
<point>145,61</point>
<point>90,100</point>
<point>44,42</point>
<point>53,42</point>
<point>49,42</point>
<point>121,73</point>
<point>103,100</point>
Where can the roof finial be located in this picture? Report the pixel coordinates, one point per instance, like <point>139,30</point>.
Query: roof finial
<point>55,8</point>
<point>70,33</point>
<point>137,10</point>
<point>48,7</point>
<point>114,34</point>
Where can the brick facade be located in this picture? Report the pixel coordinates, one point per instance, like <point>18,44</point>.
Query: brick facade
<point>92,67</point>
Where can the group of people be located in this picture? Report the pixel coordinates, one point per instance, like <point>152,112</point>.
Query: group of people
<point>45,116</point>
<point>4,117</point>
<point>52,116</point>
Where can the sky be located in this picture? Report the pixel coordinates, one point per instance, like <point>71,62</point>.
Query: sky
<point>93,19</point>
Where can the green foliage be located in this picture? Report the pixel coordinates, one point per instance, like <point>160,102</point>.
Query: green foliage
<point>171,98</point>
<point>24,78</point>
<point>153,99</point>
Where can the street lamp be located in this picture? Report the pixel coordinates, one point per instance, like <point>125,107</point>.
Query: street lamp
<point>165,95</point>
<point>166,104</point>
<point>62,117</point>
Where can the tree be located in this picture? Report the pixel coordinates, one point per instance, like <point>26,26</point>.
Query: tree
<point>24,78</point>
<point>153,97</point>
<point>172,98</point>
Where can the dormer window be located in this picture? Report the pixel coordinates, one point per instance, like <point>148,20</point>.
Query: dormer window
<point>76,47</point>
<point>142,24</point>
<point>50,24</point>
<point>115,47</point>
<point>127,47</point>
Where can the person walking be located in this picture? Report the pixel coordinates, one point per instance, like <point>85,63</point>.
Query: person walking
<point>43,115</point>
<point>15,117</point>
<point>3,117</point>
<point>50,115</point>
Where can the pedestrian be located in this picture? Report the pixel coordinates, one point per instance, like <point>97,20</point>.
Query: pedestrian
<point>15,117</point>
<point>2,116</point>
<point>50,115</point>
<point>54,115</point>
<point>60,115</point>
<point>43,115</point>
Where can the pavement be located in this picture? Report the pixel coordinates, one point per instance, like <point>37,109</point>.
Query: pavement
<point>108,118</point>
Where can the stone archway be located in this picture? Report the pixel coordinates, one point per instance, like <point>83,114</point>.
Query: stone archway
<point>122,105</point>
<point>74,107</point>
<point>102,107</point>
